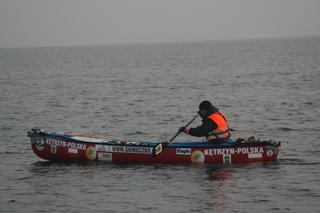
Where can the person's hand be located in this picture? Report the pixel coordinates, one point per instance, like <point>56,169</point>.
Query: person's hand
<point>182,129</point>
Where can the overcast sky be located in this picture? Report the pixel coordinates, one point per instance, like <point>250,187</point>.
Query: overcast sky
<point>82,22</point>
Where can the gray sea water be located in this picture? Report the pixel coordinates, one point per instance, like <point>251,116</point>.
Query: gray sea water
<point>267,88</point>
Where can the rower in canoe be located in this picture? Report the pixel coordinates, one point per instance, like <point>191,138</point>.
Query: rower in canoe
<point>214,124</point>
<point>59,146</point>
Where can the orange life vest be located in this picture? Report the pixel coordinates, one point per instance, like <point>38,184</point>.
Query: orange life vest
<point>222,130</point>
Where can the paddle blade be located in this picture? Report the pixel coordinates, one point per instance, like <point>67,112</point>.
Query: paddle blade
<point>157,150</point>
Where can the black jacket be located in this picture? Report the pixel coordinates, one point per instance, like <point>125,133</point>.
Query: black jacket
<point>207,124</point>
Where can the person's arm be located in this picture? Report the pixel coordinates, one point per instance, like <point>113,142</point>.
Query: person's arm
<point>202,130</point>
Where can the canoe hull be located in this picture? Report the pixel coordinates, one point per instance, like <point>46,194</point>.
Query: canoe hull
<point>59,147</point>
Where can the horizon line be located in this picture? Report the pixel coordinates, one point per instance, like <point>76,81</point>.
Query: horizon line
<point>164,42</point>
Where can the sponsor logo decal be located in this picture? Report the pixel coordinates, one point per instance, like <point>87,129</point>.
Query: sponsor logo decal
<point>105,156</point>
<point>59,143</point>
<point>255,155</point>
<point>53,149</point>
<point>103,148</point>
<point>197,157</point>
<point>72,151</point>
<point>130,149</point>
<point>269,153</point>
<point>226,159</point>
<point>183,151</point>
<point>39,142</point>
<point>91,153</point>
<point>54,142</point>
<point>231,151</point>
<point>77,146</point>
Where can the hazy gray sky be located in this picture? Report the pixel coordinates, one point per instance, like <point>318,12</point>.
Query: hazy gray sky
<point>73,22</point>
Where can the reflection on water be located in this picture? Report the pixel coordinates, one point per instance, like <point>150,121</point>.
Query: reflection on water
<point>221,174</point>
<point>223,177</point>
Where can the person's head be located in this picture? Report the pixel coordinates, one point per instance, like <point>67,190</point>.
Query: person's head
<point>205,107</point>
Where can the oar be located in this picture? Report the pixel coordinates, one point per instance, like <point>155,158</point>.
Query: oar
<point>158,148</point>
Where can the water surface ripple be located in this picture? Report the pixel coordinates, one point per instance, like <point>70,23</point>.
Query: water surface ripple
<point>267,88</point>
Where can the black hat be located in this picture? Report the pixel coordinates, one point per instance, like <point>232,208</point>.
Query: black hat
<point>205,105</point>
